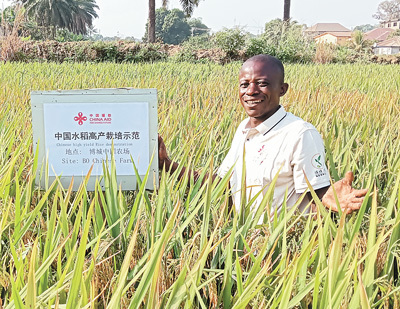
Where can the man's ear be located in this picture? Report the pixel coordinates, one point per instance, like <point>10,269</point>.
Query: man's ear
<point>284,89</point>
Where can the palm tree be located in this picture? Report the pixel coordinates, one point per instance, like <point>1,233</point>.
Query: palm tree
<point>286,10</point>
<point>152,21</point>
<point>83,16</point>
<point>187,6</point>
<point>73,15</point>
<point>359,43</point>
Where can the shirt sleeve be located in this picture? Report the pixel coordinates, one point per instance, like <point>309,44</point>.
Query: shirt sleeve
<point>309,160</point>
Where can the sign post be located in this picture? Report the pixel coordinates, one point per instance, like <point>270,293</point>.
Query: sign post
<point>75,130</point>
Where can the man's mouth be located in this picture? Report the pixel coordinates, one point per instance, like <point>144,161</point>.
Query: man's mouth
<point>252,102</point>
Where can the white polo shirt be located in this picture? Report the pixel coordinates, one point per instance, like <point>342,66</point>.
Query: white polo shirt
<point>283,140</point>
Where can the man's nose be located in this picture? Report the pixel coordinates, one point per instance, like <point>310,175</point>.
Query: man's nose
<point>252,89</point>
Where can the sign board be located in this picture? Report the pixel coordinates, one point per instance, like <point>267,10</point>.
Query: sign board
<point>75,130</point>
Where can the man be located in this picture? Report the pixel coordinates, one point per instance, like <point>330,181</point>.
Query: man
<point>274,141</point>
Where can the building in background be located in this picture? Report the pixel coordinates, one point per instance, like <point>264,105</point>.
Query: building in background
<point>393,24</point>
<point>388,47</point>
<point>335,38</point>
<point>378,34</point>
<point>322,28</point>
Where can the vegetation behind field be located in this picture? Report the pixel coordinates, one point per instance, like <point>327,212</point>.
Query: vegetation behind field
<point>181,246</point>
<point>224,47</point>
<point>284,39</point>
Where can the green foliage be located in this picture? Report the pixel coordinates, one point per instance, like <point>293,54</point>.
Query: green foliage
<point>258,45</point>
<point>25,27</point>
<point>230,41</point>
<point>93,51</point>
<point>394,34</point>
<point>73,15</point>
<point>148,53</point>
<point>197,26</point>
<point>7,16</point>
<point>343,55</point>
<point>356,50</point>
<point>131,52</point>
<point>185,54</point>
<point>38,30</point>
<point>64,35</point>
<point>172,26</point>
<point>359,43</point>
<point>202,41</point>
<point>107,51</point>
<point>284,40</point>
<point>175,28</point>
<point>365,28</point>
<point>189,49</point>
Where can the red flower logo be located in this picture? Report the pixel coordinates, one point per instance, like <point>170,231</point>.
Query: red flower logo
<point>80,118</point>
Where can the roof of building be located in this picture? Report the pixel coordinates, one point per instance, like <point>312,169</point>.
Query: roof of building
<point>336,34</point>
<point>393,42</point>
<point>390,20</point>
<point>327,27</point>
<point>378,34</point>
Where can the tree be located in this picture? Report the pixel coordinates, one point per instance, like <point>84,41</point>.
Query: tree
<point>388,10</point>
<point>197,26</point>
<point>365,28</point>
<point>230,41</point>
<point>171,27</point>
<point>187,5</point>
<point>278,31</point>
<point>7,18</point>
<point>286,10</point>
<point>359,43</point>
<point>176,28</point>
<point>85,11</point>
<point>394,34</point>
<point>73,15</point>
<point>283,39</point>
<point>151,29</point>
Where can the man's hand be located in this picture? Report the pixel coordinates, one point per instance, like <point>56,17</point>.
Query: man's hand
<point>349,198</point>
<point>162,154</point>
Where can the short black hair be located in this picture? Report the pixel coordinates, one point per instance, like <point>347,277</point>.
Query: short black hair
<point>268,59</point>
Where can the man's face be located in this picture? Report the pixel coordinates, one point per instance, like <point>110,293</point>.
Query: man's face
<point>261,87</point>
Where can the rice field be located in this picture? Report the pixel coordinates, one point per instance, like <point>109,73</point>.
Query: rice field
<point>182,247</point>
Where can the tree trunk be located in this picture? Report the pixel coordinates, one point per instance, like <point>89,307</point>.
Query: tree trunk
<point>286,10</point>
<point>152,21</point>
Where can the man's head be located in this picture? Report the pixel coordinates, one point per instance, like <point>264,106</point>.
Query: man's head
<point>262,84</point>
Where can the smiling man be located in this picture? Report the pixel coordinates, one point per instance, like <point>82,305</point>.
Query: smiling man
<point>274,141</point>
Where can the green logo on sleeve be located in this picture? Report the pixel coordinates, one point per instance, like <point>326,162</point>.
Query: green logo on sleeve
<point>316,161</point>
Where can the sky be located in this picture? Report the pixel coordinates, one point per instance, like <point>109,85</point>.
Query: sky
<point>127,18</point>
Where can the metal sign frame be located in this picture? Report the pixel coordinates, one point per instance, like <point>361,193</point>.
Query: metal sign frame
<point>95,96</point>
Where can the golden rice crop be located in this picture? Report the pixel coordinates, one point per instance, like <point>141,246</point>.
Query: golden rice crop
<point>181,247</point>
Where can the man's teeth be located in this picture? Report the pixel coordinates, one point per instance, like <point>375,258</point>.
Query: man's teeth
<point>251,102</point>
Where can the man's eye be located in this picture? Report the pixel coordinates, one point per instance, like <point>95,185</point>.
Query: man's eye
<point>263,84</point>
<point>244,85</point>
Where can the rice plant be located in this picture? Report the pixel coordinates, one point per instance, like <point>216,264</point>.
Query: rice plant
<point>183,246</point>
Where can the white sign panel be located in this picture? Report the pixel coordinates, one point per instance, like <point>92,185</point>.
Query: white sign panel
<point>75,131</point>
<point>79,135</point>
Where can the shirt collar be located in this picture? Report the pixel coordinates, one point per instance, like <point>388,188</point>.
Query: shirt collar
<point>269,123</point>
